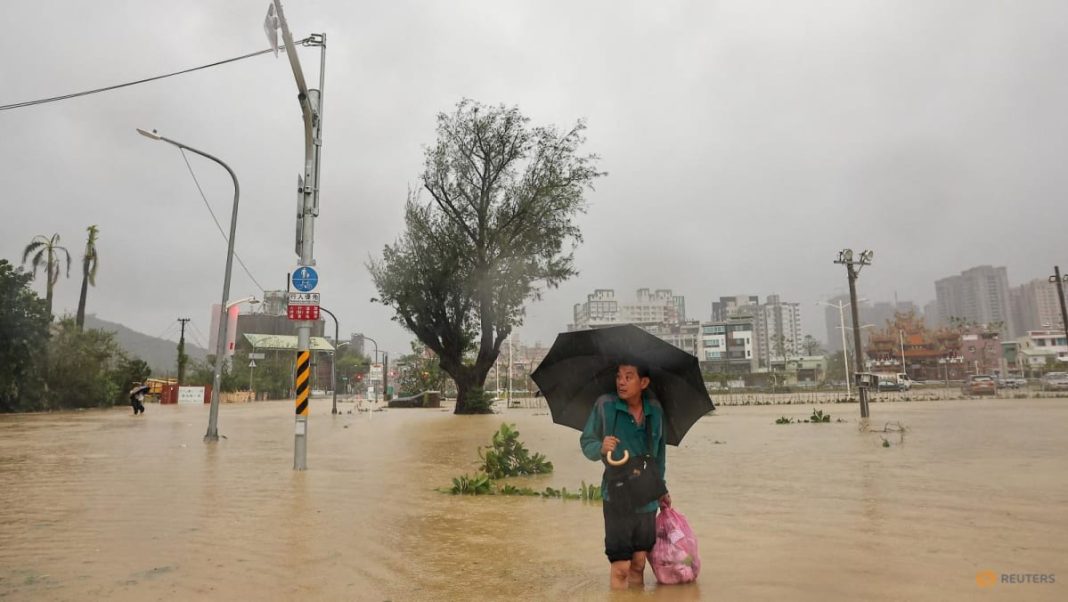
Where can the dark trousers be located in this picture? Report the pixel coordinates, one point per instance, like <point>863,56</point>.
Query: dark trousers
<point>138,407</point>
<point>627,532</point>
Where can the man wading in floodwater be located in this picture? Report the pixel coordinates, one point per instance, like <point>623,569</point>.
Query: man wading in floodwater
<point>628,421</point>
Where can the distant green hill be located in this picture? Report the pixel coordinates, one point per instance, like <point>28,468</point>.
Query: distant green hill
<point>161,354</point>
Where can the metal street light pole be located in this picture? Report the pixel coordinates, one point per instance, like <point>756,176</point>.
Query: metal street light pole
<point>845,257</point>
<point>251,368</point>
<point>385,376</point>
<point>845,350</point>
<point>220,347</point>
<point>333,360</point>
<point>901,342</point>
<point>367,338</point>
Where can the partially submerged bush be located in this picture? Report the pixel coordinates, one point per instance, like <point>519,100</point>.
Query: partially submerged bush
<point>507,457</point>
<point>471,485</point>
<point>819,416</point>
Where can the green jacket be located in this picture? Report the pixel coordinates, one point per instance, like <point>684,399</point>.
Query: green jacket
<point>608,411</point>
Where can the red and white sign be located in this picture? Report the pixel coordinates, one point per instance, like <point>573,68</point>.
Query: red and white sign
<point>303,306</point>
<point>303,312</point>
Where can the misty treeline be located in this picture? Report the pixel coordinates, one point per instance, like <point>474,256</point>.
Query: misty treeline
<point>47,365</point>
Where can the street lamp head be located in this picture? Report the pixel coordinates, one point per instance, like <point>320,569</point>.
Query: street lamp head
<point>865,257</point>
<point>153,134</point>
<point>249,300</point>
<point>846,256</point>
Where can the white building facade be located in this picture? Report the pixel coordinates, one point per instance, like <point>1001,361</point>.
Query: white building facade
<point>778,331</point>
<point>979,295</point>
<point>603,308</point>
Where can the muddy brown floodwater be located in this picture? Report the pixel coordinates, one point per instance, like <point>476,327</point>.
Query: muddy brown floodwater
<point>101,505</point>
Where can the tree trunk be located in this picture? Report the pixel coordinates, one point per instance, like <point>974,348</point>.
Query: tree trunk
<point>80,319</point>
<point>463,393</point>
<point>48,285</point>
<point>469,392</point>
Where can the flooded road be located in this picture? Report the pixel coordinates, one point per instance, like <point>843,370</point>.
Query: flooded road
<point>99,504</point>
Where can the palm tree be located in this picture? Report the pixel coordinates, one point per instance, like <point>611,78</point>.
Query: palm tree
<point>46,253</point>
<point>90,261</point>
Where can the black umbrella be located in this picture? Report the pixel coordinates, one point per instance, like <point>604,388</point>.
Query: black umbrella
<point>581,366</point>
<point>137,390</point>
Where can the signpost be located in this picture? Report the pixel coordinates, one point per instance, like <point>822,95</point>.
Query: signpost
<point>303,306</point>
<point>375,375</point>
<point>305,279</point>
<point>190,395</point>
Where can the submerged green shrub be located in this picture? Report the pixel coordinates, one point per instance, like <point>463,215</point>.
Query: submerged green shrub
<point>508,457</point>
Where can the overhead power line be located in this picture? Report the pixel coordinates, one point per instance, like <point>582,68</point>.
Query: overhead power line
<point>197,336</point>
<point>30,103</point>
<point>165,331</point>
<point>216,219</point>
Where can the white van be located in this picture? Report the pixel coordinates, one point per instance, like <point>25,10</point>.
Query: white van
<point>894,381</point>
<point>906,382</point>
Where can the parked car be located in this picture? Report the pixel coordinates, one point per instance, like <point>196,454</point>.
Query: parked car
<point>1012,382</point>
<point>889,383</point>
<point>980,384</point>
<point>1055,381</point>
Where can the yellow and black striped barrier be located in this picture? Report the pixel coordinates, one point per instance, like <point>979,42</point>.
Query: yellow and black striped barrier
<point>303,382</point>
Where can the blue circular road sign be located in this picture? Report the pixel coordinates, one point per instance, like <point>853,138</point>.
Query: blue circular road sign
<point>305,279</point>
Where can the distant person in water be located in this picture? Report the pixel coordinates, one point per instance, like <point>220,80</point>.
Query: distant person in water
<point>137,399</point>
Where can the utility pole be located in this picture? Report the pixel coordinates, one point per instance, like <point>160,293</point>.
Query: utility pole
<point>845,257</point>
<point>181,352</point>
<point>1057,279</point>
<point>858,354</point>
<point>311,106</point>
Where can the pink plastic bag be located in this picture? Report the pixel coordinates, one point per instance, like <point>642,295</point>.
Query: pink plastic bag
<point>674,556</point>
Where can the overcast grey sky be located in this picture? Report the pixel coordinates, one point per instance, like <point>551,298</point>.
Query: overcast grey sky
<point>746,142</point>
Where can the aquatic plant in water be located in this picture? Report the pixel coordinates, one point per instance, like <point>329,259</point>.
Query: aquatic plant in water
<point>818,416</point>
<point>508,457</point>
